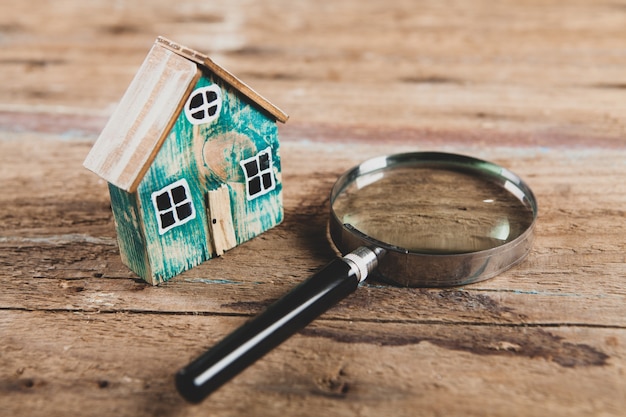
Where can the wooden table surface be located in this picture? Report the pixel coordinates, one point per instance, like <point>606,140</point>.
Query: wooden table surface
<point>537,86</point>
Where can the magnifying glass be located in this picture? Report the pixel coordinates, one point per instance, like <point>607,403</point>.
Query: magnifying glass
<point>422,219</point>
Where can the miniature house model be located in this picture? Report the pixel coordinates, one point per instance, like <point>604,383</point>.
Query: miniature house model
<point>191,158</point>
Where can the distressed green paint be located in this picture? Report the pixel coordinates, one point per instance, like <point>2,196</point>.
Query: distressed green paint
<point>184,246</point>
<point>129,231</point>
<point>184,154</point>
<point>250,218</point>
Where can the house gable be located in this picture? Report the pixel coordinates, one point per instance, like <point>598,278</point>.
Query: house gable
<point>226,76</point>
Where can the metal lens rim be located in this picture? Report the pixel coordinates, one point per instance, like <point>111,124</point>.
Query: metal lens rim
<point>346,238</point>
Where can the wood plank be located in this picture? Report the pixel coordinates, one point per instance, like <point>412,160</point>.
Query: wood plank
<point>220,220</point>
<point>133,136</point>
<point>436,67</point>
<point>405,367</point>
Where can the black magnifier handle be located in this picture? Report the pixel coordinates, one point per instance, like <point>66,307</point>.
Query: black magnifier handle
<point>280,320</point>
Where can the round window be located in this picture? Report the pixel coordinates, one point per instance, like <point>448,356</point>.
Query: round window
<point>204,105</point>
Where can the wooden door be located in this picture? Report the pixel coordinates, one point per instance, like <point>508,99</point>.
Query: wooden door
<point>221,229</point>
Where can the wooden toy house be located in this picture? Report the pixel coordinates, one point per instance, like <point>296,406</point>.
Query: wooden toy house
<point>192,159</point>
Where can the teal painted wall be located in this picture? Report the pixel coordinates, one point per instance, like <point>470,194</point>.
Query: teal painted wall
<point>207,156</point>
<point>238,116</point>
<point>185,246</point>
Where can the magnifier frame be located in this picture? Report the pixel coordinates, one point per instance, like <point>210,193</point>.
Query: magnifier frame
<point>414,269</point>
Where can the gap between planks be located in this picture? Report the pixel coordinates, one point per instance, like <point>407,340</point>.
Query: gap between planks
<point>535,325</point>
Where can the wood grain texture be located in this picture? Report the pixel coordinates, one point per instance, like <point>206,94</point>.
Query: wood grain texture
<point>134,134</point>
<point>537,87</point>
<point>221,227</point>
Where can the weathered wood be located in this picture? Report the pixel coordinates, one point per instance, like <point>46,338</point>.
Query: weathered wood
<point>534,86</point>
<point>118,364</point>
<point>221,226</point>
<point>134,134</point>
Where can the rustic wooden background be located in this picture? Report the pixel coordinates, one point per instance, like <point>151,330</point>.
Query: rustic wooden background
<point>536,85</point>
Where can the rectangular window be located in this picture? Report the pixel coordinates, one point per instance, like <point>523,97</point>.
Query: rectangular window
<point>259,172</point>
<point>173,205</point>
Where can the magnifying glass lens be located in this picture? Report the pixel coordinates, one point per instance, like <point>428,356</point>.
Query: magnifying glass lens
<point>432,210</point>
